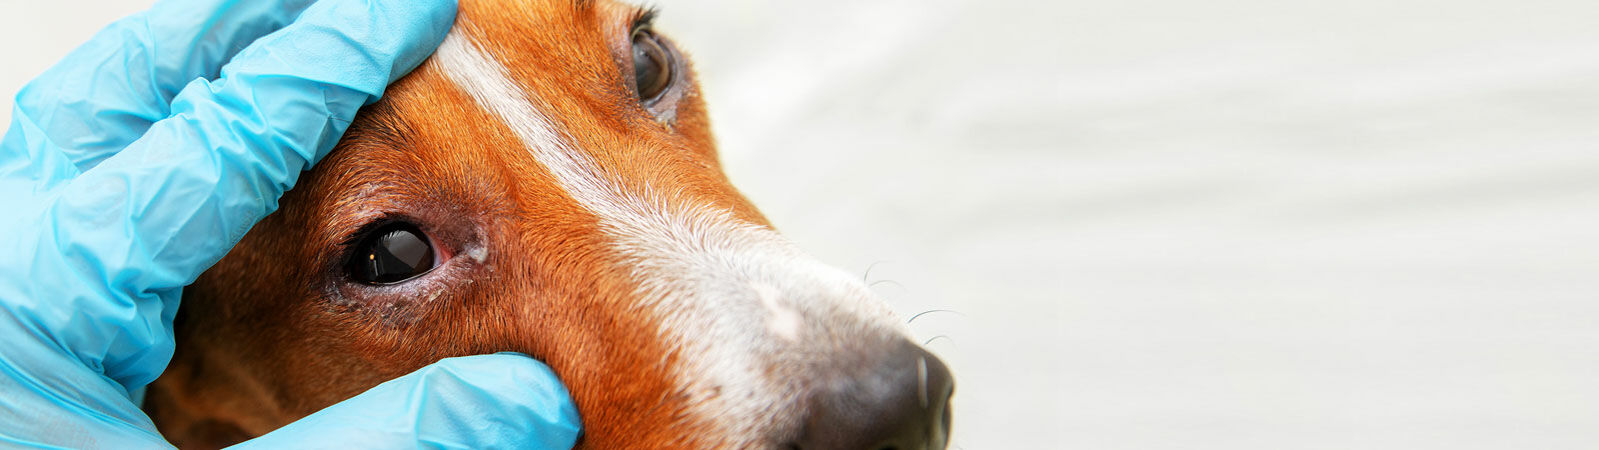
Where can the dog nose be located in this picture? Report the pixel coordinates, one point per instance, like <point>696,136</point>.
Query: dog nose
<point>897,401</point>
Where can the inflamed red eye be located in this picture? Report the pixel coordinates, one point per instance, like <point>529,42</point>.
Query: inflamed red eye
<point>390,254</point>
<point>652,65</point>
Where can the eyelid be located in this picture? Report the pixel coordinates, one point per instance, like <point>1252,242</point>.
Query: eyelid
<point>642,18</point>
<point>354,237</point>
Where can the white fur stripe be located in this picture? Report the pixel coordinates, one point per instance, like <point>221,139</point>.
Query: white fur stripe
<point>487,81</point>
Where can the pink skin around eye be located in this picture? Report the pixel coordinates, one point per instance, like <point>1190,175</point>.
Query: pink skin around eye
<point>441,252</point>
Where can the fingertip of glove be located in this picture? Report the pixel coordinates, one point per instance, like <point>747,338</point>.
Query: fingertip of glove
<point>439,17</point>
<point>519,382</point>
<point>506,367</point>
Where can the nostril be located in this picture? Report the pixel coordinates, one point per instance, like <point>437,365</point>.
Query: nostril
<point>898,400</point>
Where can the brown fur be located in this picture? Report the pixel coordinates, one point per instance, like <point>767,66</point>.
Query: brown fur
<point>273,332</point>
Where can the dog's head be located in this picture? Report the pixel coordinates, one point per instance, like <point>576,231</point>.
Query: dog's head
<point>547,183</point>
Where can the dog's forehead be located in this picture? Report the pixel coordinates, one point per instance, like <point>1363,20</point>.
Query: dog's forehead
<point>571,60</point>
<point>552,35</point>
<point>562,68</point>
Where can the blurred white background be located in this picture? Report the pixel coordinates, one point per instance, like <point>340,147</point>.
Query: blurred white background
<point>1164,224</point>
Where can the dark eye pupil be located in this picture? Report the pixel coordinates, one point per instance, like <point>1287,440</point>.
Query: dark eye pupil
<point>391,254</point>
<point>651,69</point>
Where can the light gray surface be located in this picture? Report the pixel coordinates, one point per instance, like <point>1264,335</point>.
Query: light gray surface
<point>1176,225</point>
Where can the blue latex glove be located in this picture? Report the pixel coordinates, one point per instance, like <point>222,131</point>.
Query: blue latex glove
<point>135,164</point>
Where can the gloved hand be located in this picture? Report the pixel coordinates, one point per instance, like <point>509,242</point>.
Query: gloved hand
<point>135,164</point>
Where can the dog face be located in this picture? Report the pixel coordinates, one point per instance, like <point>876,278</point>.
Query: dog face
<point>547,183</point>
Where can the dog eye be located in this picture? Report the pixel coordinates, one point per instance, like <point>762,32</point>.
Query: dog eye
<point>390,254</point>
<point>652,65</point>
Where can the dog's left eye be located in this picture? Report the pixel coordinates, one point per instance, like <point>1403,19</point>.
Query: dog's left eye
<point>652,66</point>
<point>390,254</point>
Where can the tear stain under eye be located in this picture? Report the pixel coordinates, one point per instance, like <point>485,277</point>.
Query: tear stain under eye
<point>407,309</point>
<point>401,305</point>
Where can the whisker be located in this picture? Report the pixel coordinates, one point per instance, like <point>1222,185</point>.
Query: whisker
<point>875,283</point>
<point>945,336</point>
<point>867,277</point>
<point>930,311</point>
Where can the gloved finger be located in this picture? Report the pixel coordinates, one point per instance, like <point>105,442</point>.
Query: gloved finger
<point>484,401</point>
<point>108,91</point>
<point>137,227</point>
<point>47,401</point>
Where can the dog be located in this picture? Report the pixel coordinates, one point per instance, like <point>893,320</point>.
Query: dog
<point>547,183</point>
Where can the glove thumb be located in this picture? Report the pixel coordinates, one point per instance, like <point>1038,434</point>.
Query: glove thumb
<point>504,400</point>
